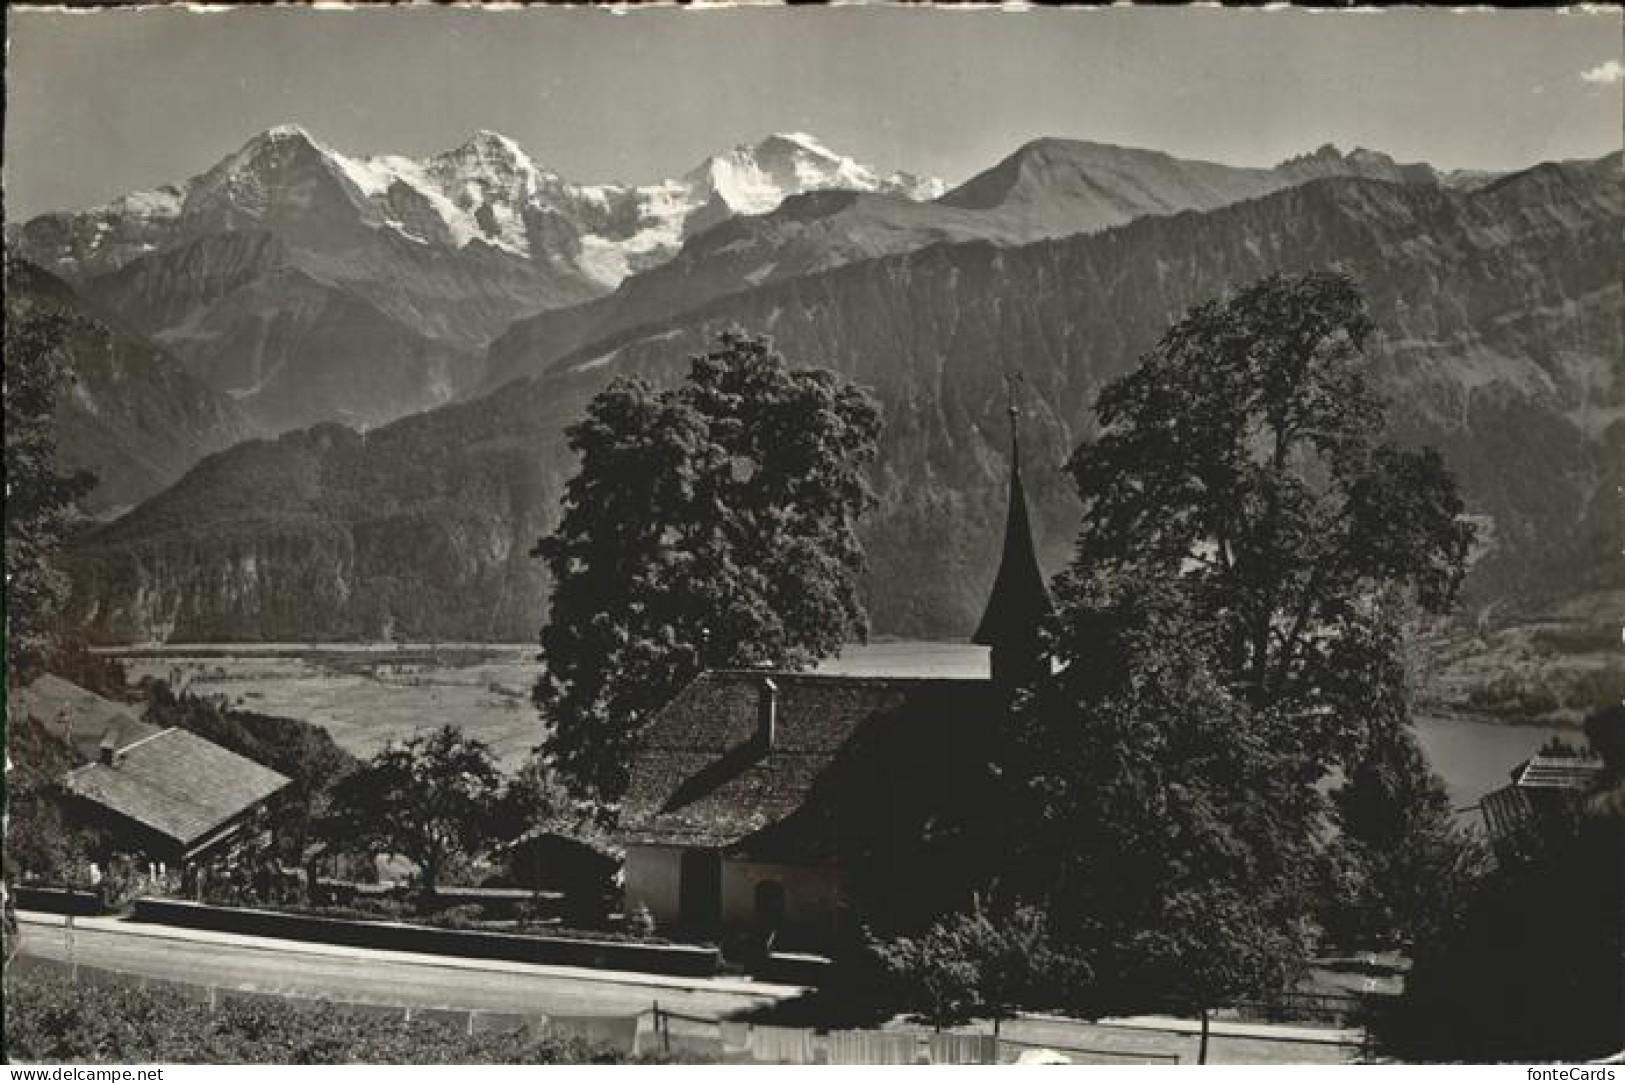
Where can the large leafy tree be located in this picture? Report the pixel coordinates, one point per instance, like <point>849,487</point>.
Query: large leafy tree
<point>1244,461</point>
<point>39,837</point>
<point>1167,826</point>
<point>1228,633</point>
<point>433,798</point>
<point>40,497</point>
<point>712,524</point>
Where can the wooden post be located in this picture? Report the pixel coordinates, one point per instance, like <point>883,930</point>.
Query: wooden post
<point>212,1000</point>
<point>68,942</point>
<point>1201,1052</point>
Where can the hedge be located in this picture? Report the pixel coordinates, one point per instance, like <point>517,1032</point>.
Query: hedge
<point>59,900</point>
<point>679,960</point>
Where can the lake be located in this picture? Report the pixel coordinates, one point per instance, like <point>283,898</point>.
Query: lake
<point>1472,757</point>
<point>367,695</point>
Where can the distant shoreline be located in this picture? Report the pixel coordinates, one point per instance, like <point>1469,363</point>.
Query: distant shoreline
<point>251,649</point>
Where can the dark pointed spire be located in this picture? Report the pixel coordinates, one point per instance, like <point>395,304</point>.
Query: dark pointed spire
<point>1019,601</point>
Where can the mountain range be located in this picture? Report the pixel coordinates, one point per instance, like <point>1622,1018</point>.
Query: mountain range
<point>312,285</point>
<point>133,415</point>
<point>1497,301</point>
<point>1047,188</point>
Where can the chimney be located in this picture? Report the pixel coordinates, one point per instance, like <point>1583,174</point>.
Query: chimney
<point>767,714</point>
<point>109,748</point>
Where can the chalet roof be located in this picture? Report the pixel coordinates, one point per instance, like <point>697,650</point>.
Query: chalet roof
<point>78,716</point>
<point>1544,780</point>
<point>1544,771</point>
<point>701,778</point>
<point>177,784</point>
<point>1019,600</point>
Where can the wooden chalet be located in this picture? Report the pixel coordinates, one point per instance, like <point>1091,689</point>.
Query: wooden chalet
<point>172,796</point>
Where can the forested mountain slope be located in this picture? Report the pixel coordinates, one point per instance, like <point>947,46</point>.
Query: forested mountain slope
<point>1500,343</point>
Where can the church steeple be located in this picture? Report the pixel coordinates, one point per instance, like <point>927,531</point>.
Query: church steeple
<point>1019,601</point>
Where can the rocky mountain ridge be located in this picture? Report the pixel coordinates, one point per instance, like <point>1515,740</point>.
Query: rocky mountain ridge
<point>487,191</point>
<point>312,285</point>
<point>1044,189</point>
<point>1500,339</point>
<point>132,415</point>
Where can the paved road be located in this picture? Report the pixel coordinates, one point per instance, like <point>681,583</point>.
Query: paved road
<point>297,968</point>
<point>302,969</point>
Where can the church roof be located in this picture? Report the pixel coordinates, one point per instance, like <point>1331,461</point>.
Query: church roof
<point>701,777</point>
<point>1019,601</point>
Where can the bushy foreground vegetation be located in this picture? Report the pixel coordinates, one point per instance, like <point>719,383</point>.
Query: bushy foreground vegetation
<point>49,1019</point>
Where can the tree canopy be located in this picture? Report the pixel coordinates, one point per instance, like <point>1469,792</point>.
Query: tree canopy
<point>709,525</point>
<point>1167,826</point>
<point>432,798</point>
<point>1228,633</point>
<point>1399,869</point>
<point>40,837</point>
<point>1244,461</point>
<point>40,498</point>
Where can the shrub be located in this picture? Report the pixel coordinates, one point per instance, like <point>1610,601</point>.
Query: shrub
<point>469,916</point>
<point>640,923</point>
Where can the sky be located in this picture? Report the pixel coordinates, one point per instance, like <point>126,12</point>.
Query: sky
<point>107,101</point>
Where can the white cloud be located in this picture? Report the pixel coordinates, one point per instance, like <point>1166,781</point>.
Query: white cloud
<point>1607,73</point>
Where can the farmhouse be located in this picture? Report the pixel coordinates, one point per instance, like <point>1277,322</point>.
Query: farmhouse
<point>166,794</point>
<point>791,807</point>
<point>172,796</point>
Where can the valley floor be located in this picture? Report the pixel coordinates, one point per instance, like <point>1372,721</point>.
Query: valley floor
<point>367,695</point>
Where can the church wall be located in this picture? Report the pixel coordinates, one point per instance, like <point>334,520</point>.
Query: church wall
<point>813,900</point>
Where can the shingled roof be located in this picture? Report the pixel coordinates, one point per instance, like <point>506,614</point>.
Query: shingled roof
<point>1546,779</point>
<point>176,784</point>
<point>78,716</point>
<point>702,778</point>
<point>1554,771</point>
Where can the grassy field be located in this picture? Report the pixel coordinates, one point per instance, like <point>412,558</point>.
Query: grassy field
<point>367,698</point>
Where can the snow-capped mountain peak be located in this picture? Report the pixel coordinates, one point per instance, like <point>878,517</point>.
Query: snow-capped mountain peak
<point>281,175</point>
<point>755,178</point>
<point>489,157</point>
<point>487,189</point>
<point>286,131</point>
<point>808,142</point>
